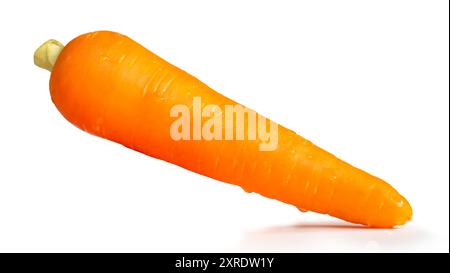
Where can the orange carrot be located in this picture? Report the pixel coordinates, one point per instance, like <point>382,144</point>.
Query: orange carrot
<point>112,87</point>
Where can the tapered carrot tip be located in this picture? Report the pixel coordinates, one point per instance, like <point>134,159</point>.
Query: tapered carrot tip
<point>395,210</point>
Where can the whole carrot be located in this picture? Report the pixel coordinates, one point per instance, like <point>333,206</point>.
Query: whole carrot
<point>110,86</point>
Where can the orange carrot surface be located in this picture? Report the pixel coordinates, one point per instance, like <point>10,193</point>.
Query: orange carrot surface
<point>110,86</point>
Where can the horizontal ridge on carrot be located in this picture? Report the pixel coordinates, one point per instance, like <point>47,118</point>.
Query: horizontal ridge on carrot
<point>110,86</point>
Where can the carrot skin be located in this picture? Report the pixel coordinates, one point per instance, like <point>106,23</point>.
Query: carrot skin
<point>110,86</point>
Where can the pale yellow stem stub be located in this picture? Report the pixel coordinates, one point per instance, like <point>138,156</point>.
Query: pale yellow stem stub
<point>47,54</point>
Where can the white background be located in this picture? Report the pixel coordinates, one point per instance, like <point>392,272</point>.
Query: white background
<point>366,80</point>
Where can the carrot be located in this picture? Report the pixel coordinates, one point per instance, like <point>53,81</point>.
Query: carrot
<point>110,86</point>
